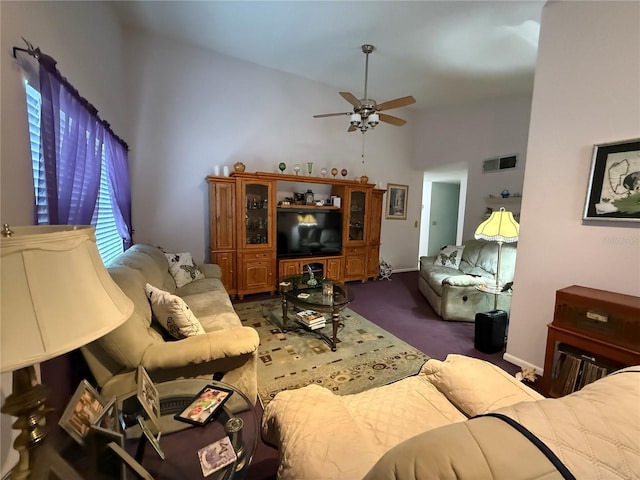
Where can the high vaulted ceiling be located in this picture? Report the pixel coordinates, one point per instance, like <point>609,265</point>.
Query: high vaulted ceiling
<point>442,52</point>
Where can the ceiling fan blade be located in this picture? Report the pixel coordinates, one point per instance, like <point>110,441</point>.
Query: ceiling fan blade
<point>352,128</point>
<point>331,114</point>
<point>391,119</point>
<point>398,102</point>
<point>349,97</point>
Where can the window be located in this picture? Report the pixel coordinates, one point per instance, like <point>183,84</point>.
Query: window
<point>108,240</point>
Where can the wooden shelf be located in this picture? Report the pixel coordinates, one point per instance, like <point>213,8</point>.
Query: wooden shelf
<point>307,207</point>
<point>503,200</point>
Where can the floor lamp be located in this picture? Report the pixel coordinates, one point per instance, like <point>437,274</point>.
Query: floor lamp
<point>56,296</point>
<point>500,227</point>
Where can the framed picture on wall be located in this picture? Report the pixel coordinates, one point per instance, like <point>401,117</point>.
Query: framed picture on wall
<point>614,182</point>
<point>397,201</point>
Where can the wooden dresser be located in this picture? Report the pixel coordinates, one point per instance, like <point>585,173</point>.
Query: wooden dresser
<point>593,332</point>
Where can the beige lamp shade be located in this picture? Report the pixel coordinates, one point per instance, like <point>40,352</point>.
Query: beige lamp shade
<point>499,227</point>
<point>56,294</point>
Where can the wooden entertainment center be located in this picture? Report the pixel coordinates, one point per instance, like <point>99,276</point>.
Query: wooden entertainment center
<point>242,229</point>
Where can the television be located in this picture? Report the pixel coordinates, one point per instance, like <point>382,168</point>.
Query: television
<point>308,232</point>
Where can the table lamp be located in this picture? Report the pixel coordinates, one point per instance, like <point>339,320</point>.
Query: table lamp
<point>500,227</point>
<point>56,296</point>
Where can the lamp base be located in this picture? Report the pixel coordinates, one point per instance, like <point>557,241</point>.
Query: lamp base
<point>27,404</point>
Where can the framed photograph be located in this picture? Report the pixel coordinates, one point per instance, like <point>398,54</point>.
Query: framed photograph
<point>204,405</point>
<point>148,397</point>
<point>82,411</point>
<point>108,417</point>
<point>614,182</point>
<point>152,439</point>
<point>397,201</point>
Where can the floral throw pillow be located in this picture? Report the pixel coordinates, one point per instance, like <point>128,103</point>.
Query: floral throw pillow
<point>449,256</point>
<point>173,313</point>
<point>183,269</point>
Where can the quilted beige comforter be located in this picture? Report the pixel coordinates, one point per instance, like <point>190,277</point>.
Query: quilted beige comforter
<point>593,433</point>
<point>321,435</point>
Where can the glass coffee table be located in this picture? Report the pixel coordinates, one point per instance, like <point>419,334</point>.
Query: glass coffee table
<point>323,295</point>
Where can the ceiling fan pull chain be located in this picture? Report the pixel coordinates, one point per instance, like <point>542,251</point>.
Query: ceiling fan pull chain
<point>363,149</point>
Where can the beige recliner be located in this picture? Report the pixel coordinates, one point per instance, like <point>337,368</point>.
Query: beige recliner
<point>227,347</point>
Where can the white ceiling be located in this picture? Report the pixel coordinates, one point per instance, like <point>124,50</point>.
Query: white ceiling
<point>441,52</point>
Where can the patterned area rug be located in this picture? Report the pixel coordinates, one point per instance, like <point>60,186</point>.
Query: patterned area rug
<point>367,356</point>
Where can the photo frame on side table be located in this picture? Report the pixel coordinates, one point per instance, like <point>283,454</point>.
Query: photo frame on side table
<point>204,405</point>
<point>613,192</point>
<point>81,412</point>
<point>147,395</point>
<point>397,201</point>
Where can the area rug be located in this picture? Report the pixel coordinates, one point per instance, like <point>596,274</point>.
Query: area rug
<point>366,357</point>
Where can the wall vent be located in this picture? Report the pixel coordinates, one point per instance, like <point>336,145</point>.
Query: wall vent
<point>499,163</point>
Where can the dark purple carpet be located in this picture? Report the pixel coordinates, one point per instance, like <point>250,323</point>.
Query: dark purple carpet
<point>397,306</point>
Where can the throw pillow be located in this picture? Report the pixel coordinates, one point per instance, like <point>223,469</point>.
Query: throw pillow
<point>183,269</point>
<point>173,313</point>
<point>449,256</point>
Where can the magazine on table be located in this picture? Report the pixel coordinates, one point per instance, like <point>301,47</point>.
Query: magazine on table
<point>216,455</point>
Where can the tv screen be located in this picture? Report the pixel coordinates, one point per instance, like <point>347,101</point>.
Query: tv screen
<point>308,232</point>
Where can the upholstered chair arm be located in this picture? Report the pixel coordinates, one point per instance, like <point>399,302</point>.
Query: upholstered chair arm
<point>467,280</point>
<point>211,270</point>
<point>198,349</point>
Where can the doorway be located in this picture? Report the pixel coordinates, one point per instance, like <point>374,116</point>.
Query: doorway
<point>443,206</point>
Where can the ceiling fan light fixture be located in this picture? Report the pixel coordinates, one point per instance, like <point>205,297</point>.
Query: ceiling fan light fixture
<point>365,110</point>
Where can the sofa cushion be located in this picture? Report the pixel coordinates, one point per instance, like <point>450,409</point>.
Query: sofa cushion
<point>449,256</point>
<point>173,313</point>
<point>183,268</point>
<point>475,386</point>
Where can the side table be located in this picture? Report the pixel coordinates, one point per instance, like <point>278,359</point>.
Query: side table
<point>180,441</point>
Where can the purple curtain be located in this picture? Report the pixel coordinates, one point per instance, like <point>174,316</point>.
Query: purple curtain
<point>118,170</point>
<point>72,141</point>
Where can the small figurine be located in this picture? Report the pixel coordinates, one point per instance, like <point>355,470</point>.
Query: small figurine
<point>312,282</point>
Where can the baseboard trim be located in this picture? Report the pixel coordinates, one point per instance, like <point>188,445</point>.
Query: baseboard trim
<point>521,363</point>
<point>402,270</point>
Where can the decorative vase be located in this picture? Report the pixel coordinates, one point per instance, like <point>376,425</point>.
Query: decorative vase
<point>310,167</point>
<point>334,172</point>
<point>323,172</point>
<point>344,172</point>
<point>282,166</point>
<point>239,167</point>
<point>296,168</point>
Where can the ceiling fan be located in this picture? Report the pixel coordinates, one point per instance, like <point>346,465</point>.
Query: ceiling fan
<point>365,111</point>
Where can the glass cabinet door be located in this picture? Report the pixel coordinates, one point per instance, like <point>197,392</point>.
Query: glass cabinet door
<point>256,225</point>
<point>357,214</point>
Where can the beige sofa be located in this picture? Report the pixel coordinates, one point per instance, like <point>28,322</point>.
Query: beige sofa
<point>452,292</point>
<point>226,347</point>
<point>431,426</point>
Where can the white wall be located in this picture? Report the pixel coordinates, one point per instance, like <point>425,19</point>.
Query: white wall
<point>587,91</point>
<point>470,135</point>
<point>193,109</point>
<point>86,40</point>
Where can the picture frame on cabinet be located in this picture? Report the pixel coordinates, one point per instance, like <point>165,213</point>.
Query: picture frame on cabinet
<point>613,192</point>
<point>397,201</point>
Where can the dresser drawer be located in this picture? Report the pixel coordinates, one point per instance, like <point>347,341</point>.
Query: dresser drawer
<point>355,250</point>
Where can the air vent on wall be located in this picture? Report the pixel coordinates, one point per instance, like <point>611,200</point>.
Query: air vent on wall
<point>499,163</point>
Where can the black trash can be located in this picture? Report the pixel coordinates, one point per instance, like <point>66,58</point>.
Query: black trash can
<point>490,331</point>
